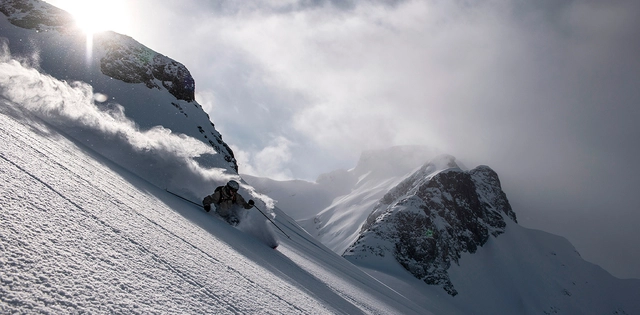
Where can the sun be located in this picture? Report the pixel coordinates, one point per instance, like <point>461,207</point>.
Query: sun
<point>94,16</point>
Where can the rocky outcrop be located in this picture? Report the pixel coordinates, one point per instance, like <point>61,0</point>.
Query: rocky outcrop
<point>431,218</point>
<point>60,51</point>
<point>129,61</point>
<point>125,59</point>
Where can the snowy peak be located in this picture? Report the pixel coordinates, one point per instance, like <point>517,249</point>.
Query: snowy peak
<point>427,221</point>
<point>125,59</point>
<point>334,207</point>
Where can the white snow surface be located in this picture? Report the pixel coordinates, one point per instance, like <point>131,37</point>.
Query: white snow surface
<point>82,234</point>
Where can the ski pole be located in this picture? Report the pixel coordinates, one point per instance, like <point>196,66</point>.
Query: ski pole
<point>183,198</point>
<point>272,222</point>
<point>201,206</point>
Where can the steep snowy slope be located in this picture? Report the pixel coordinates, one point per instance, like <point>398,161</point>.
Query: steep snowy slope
<point>528,271</point>
<point>81,234</point>
<point>86,223</point>
<point>522,271</point>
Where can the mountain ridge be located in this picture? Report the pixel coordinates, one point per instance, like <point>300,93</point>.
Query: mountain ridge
<point>432,217</point>
<point>443,228</point>
<point>334,207</point>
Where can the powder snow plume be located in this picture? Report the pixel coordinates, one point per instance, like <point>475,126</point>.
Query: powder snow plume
<point>166,159</point>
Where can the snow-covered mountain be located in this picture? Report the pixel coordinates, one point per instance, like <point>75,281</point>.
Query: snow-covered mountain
<point>333,208</point>
<point>128,79</point>
<point>432,217</point>
<point>455,229</point>
<point>448,236</point>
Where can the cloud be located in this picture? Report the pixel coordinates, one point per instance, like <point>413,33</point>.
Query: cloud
<point>375,74</point>
<point>486,81</point>
<point>272,161</point>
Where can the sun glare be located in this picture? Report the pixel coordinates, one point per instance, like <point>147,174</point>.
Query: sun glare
<point>94,16</point>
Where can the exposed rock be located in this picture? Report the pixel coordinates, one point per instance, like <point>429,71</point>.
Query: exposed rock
<point>432,217</point>
<point>125,59</point>
<point>131,62</point>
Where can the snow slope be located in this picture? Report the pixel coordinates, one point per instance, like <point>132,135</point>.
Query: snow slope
<point>523,271</point>
<point>528,271</point>
<point>81,234</point>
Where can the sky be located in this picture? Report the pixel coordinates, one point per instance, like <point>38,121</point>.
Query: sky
<point>546,93</point>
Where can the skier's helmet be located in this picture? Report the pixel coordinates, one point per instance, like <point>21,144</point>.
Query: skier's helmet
<point>233,185</point>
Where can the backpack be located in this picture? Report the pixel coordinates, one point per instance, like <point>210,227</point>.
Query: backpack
<point>222,197</point>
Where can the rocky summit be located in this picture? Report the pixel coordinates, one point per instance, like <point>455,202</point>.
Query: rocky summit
<point>432,217</point>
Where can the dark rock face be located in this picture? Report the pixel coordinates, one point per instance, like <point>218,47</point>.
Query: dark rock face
<point>134,63</point>
<point>125,59</point>
<point>431,218</point>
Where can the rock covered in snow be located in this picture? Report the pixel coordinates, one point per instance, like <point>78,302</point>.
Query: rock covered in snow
<point>131,62</point>
<point>125,59</point>
<point>118,67</point>
<point>427,221</point>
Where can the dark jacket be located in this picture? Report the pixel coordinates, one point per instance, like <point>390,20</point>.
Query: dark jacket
<point>225,201</point>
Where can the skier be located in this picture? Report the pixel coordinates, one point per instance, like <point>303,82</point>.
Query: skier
<point>226,199</point>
